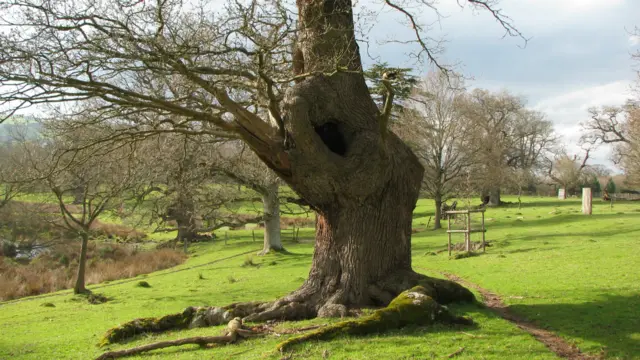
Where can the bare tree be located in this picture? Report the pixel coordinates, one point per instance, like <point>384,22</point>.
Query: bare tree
<point>630,151</point>
<point>568,171</point>
<point>243,167</point>
<point>9,188</point>
<point>105,178</point>
<point>618,126</point>
<point>331,144</point>
<point>180,188</point>
<point>506,136</point>
<point>438,135</point>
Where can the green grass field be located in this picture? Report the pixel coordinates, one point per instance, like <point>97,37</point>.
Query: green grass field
<point>574,274</point>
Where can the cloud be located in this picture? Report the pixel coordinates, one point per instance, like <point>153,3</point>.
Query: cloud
<point>581,99</point>
<point>634,40</point>
<point>568,109</point>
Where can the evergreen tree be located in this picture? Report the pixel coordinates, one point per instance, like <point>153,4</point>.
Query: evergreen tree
<point>595,185</point>
<point>611,186</point>
<point>401,78</point>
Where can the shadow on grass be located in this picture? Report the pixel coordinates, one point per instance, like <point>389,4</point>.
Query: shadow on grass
<point>584,235</point>
<point>422,214</point>
<point>613,321</point>
<point>557,220</point>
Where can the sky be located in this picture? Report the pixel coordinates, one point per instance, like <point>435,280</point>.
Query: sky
<point>578,54</point>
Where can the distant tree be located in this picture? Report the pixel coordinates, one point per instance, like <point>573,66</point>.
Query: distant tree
<point>611,186</point>
<point>505,136</point>
<point>106,176</point>
<point>401,79</point>
<point>595,185</point>
<point>618,126</point>
<point>181,189</point>
<point>9,188</point>
<point>243,167</point>
<point>568,171</point>
<point>438,136</point>
<point>599,170</point>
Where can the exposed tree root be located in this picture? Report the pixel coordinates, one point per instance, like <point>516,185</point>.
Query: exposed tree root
<point>412,307</point>
<point>200,340</point>
<point>148,325</point>
<point>309,301</point>
<point>232,333</point>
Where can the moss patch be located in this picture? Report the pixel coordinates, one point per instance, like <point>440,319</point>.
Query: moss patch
<point>148,325</point>
<point>143,284</point>
<point>412,307</point>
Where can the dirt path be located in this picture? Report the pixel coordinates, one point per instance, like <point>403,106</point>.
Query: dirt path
<point>549,339</point>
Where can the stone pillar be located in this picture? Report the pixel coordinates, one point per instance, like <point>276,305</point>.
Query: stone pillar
<point>587,199</point>
<point>562,194</point>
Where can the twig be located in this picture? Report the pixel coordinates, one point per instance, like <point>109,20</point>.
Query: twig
<point>473,336</point>
<point>455,353</point>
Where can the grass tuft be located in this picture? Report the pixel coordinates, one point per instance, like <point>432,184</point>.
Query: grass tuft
<point>143,284</point>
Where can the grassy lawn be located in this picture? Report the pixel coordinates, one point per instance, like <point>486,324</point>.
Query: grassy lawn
<point>574,274</point>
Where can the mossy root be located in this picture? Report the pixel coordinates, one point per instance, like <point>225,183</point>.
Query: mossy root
<point>148,325</point>
<point>411,307</point>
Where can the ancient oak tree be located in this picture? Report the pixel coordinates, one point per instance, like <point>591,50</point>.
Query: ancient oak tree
<point>219,70</point>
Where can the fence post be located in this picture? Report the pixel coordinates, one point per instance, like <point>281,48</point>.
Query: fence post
<point>468,233</point>
<point>483,232</point>
<point>253,233</point>
<point>449,233</point>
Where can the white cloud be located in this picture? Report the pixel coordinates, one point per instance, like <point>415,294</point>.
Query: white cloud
<point>567,110</point>
<point>634,40</point>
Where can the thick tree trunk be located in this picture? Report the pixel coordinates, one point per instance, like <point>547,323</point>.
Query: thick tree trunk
<point>360,178</point>
<point>79,287</point>
<point>183,212</point>
<point>438,217</point>
<point>494,196</point>
<point>271,205</point>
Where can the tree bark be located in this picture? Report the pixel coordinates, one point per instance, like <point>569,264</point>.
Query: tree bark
<point>271,205</point>
<point>437,220</point>
<point>494,196</point>
<point>183,212</point>
<point>79,287</point>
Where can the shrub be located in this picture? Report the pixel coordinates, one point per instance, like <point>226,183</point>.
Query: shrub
<point>64,260</point>
<point>8,249</point>
<point>143,284</point>
<point>248,261</point>
<point>97,299</point>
